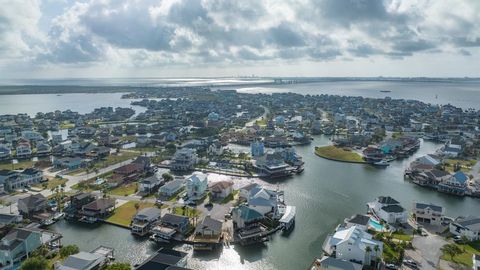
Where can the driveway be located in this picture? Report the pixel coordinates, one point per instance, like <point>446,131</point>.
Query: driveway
<point>427,251</point>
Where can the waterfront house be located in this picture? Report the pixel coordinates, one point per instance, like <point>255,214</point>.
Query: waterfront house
<point>428,160</point>
<point>351,244</point>
<point>196,186</point>
<point>165,259</point>
<point>184,159</point>
<point>207,234</point>
<point>428,213</point>
<point>263,200</point>
<point>16,244</point>
<point>177,222</point>
<point>468,227</point>
<point>272,166</point>
<point>360,221</point>
<point>97,210</point>
<point>8,219</point>
<point>96,259</point>
<point>456,184</point>
<point>331,263</point>
<point>144,220</point>
<point>388,209</point>
<point>245,190</point>
<point>257,149</point>
<point>77,201</point>
<point>150,184</point>
<point>221,189</point>
<point>32,205</point>
<point>244,217</point>
<point>171,188</point>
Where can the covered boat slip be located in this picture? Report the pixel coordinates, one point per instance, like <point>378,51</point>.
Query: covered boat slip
<point>288,218</point>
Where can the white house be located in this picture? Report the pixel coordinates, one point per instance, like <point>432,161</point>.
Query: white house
<point>196,186</point>
<point>330,263</point>
<point>468,227</point>
<point>353,244</point>
<point>221,189</point>
<point>263,200</point>
<point>215,148</point>
<point>428,213</point>
<point>476,262</point>
<point>388,209</point>
<point>24,150</point>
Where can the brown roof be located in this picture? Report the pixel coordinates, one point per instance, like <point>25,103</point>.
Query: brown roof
<point>218,186</point>
<point>100,204</point>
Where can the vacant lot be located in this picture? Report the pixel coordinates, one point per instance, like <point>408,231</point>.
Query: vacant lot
<point>339,154</point>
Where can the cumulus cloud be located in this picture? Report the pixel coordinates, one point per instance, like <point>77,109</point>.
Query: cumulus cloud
<point>185,32</point>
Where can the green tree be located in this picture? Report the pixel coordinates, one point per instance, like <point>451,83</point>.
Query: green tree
<point>35,263</point>
<point>119,266</point>
<point>451,250</point>
<point>68,250</point>
<point>167,177</point>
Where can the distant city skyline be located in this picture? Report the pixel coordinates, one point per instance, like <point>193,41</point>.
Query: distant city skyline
<point>210,38</point>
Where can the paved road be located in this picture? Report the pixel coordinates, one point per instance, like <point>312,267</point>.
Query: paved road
<point>427,251</point>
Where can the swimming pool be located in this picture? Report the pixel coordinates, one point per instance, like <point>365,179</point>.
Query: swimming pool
<point>375,225</point>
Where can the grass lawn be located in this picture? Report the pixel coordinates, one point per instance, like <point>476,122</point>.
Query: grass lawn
<point>124,190</point>
<point>465,165</point>
<point>389,254</point>
<point>123,215</point>
<point>402,236</point>
<point>114,159</point>
<point>261,122</point>
<point>333,152</point>
<point>20,165</point>
<point>52,183</point>
<point>465,257</point>
<point>189,212</point>
<point>66,125</point>
<point>145,149</point>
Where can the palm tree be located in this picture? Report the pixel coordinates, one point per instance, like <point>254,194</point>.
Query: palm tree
<point>368,249</point>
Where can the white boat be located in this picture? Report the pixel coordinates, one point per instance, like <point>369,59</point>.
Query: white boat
<point>59,216</point>
<point>381,163</point>
<point>288,218</point>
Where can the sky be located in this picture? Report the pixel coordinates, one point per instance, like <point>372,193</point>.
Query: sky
<point>210,38</point>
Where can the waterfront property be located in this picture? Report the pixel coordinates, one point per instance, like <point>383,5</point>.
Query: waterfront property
<point>208,234</point>
<point>353,244</point>
<point>76,203</point>
<point>97,210</point>
<point>165,259</point>
<point>185,159</point>
<point>144,220</point>
<point>428,213</point>
<point>468,227</point>
<point>16,244</point>
<point>361,221</point>
<point>388,209</point>
<point>330,263</point>
<point>95,259</point>
<point>456,184</point>
<point>177,222</point>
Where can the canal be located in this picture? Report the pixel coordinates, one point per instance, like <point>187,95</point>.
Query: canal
<point>324,194</point>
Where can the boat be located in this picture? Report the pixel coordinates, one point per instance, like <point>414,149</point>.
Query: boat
<point>385,91</point>
<point>381,163</point>
<point>288,219</point>
<point>158,239</point>
<point>58,216</point>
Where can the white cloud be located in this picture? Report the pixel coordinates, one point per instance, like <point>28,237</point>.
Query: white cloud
<point>192,34</point>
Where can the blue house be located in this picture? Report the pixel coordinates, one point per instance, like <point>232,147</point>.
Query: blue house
<point>456,185</point>
<point>16,244</point>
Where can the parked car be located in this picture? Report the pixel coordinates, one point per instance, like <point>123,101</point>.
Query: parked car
<point>391,266</point>
<point>209,204</point>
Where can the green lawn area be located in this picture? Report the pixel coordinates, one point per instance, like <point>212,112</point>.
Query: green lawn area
<point>113,159</point>
<point>189,212</point>
<point>124,190</point>
<point>145,149</point>
<point>465,257</point>
<point>123,215</point>
<point>52,183</point>
<point>261,122</point>
<point>20,165</point>
<point>66,125</point>
<point>390,255</point>
<point>465,165</point>
<point>402,236</point>
<point>333,152</point>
